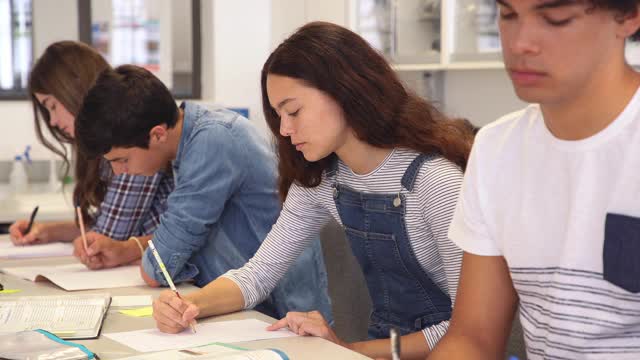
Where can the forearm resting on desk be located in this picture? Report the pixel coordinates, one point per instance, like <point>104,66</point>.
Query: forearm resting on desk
<point>64,231</point>
<point>458,346</point>
<point>413,346</point>
<point>221,296</point>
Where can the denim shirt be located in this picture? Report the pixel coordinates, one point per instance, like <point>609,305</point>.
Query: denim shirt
<point>224,203</point>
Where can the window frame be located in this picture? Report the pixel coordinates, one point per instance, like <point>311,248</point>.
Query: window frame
<point>84,35</point>
<point>84,29</point>
<point>22,94</point>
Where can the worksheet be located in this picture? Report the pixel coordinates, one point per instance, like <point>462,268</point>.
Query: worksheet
<point>221,331</point>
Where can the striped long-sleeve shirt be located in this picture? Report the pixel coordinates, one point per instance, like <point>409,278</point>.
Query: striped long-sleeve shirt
<point>429,211</point>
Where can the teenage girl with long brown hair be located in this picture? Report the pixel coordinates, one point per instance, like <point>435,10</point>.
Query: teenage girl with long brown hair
<point>354,145</point>
<point>114,207</point>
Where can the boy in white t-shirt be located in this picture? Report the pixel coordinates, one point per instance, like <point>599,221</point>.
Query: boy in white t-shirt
<point>549,216</point>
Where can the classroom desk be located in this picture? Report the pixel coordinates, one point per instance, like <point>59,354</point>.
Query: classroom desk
<point>296,348</point>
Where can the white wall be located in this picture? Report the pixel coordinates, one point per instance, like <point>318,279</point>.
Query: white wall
<point>53,21</point>
<point>241,44</point>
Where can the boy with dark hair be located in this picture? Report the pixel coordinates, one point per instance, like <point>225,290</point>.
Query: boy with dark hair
<point>224,202</point>
<point>549,216</point>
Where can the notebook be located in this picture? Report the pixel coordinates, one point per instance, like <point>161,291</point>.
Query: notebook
<point>77,277</point>
<point>67,316</point>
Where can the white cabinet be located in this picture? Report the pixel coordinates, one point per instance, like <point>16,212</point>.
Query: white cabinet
<point>472,31</point>
<point>288,15</point>
<point>431,34</point>
<point>427,35</point>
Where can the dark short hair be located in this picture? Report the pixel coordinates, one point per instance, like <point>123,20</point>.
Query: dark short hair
<point>622,8</point>
<point>121,108</point>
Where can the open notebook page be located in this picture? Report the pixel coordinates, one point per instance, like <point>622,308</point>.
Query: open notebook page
<point>77,277</point>
<point>68,316</point>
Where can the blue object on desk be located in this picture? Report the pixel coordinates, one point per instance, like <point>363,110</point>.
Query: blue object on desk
<point>242,111</point>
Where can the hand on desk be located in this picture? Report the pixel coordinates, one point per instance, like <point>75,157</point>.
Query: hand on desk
<point>37,235</point>
<point>172,313</point>
<point>308,324</point>
<point>104,252</point>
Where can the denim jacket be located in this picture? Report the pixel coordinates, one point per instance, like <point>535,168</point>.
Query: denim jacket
<point>224,204</point>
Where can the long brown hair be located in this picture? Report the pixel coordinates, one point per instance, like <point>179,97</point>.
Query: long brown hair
<point>377,107</point>
<point>67,70</point>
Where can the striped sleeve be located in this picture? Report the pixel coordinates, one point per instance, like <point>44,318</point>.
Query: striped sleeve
<point>299,222</point>
<point>439,190</point>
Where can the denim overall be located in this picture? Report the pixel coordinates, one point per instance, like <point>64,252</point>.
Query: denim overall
<point>402,294</point>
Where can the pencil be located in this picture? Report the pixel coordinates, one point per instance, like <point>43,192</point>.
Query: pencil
<point>166,275</point>
<point>84,235</point>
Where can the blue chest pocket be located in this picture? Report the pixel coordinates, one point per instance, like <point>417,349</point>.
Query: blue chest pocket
<point>621,253</point>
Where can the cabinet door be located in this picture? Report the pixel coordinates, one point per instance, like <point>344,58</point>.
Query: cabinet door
<point>474,30</point>
<point>405,31</point>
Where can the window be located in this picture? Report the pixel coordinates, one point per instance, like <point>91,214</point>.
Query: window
<point>16,49</point>
<point>162,36</point>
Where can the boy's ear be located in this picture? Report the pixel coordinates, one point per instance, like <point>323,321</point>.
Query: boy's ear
<point>158,135</point>
<point>631,24</point>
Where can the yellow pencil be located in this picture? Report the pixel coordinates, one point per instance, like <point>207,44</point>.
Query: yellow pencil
<point>166,275</point>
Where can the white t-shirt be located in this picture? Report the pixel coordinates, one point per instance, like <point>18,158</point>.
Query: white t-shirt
<point>544,205</point>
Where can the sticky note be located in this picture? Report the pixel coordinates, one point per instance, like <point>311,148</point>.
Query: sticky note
<point>9,291</point>
<point>141,312</point>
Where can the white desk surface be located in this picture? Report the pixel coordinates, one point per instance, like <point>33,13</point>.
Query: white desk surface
<point>296,347</point>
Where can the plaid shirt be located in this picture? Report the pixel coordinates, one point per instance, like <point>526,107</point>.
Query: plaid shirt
<point>133,204</point>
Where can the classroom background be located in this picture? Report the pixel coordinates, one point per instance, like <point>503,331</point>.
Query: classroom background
<point>212,51</point>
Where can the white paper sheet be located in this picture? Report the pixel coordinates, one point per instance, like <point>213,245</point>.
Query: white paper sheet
<point>222,331</point>
<point>131,301</point>
<point>78,277</point>
<point>10,251</point>
<point>230,355</point>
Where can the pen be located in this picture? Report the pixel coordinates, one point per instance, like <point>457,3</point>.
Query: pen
<point>81,222</point>
<point>33,217</point>
<point>166,275</point>
<point>395,344</point>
